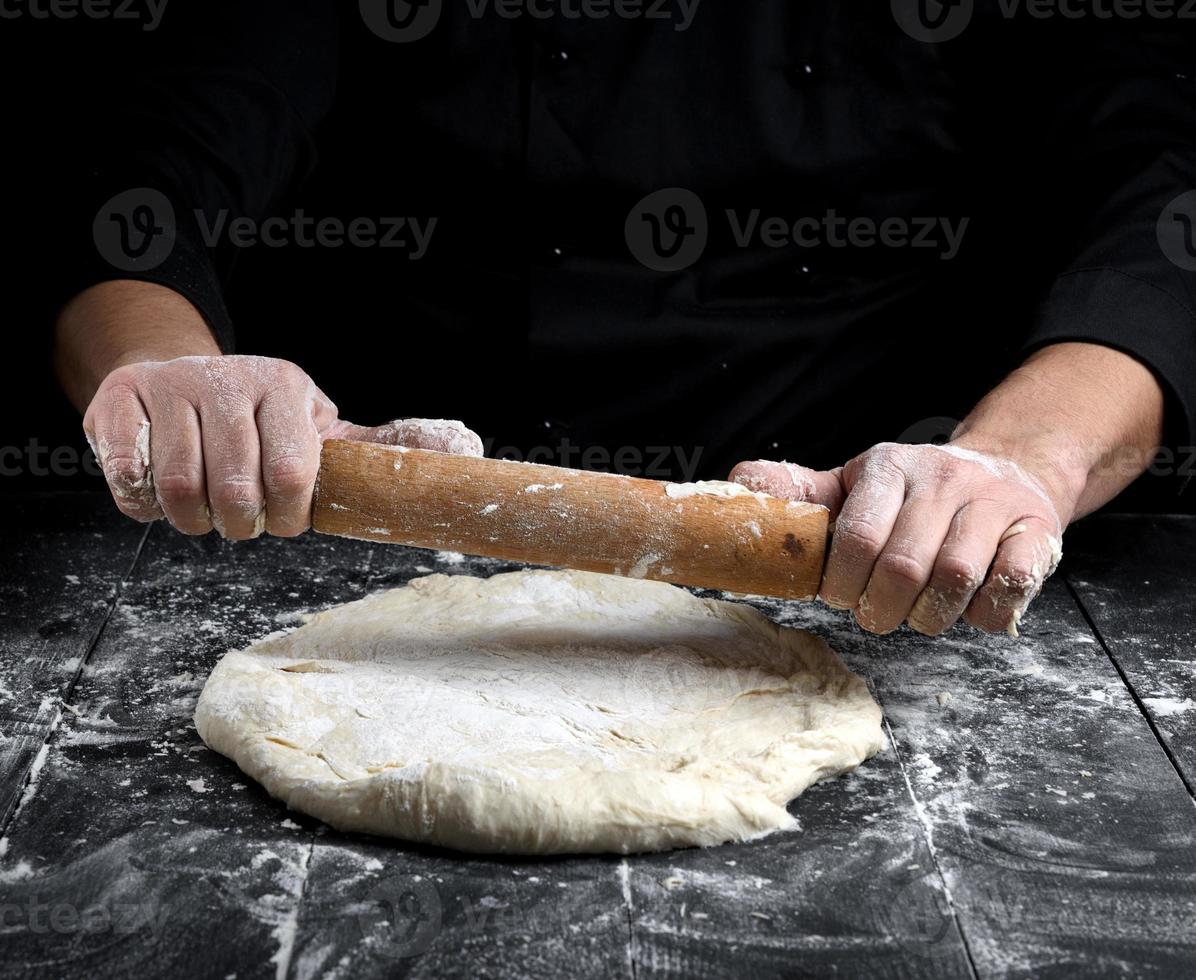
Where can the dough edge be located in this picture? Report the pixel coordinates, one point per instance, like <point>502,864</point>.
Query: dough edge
<point>622,812</point>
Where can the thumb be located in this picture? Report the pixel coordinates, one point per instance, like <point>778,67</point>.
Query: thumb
<point>437,435</point>
<point>791,482</point>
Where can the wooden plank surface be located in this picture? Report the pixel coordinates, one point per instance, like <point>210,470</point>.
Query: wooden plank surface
<point>1134,578</point>
<point>1060,829</point>
<point>64,558</point>
<point>1027,821</point>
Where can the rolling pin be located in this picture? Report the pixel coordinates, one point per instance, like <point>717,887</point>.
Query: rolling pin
<point>710,535</point>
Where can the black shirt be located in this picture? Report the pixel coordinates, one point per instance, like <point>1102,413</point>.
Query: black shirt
<point>614,264</point>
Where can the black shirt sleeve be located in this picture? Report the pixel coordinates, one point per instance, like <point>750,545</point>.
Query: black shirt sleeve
<point>1123,115</point>
<point>209,120</point>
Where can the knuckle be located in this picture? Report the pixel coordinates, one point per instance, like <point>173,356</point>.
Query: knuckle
<point>946,469</point>
<point>859,536</point>
<point>902,568</point>
<point>955,574</point>
<point>125,470</point>
<point>881,461</point>
<point>1018,578</point>
<point>122,386</point>
<point>176,486</point>
<point>292,372</point>
<point>290,473</point>
<point>883,450</point>
<point>233,494</point>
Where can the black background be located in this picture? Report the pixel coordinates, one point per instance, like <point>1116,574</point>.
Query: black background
<point>376,353</point>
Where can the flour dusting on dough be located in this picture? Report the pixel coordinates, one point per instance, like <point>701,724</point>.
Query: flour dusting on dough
<point>541,712</point>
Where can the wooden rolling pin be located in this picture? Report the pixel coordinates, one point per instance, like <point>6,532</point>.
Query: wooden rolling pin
<point>715,536</point>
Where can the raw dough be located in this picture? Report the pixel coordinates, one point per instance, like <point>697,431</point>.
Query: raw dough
<point>541,712</point>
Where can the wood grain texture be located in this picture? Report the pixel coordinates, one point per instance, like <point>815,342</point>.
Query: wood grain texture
<point>1060,830</point>
<point>1134,578</point>
<point>64,558</point>
<point>545,515</point>
<point>1024,822</point>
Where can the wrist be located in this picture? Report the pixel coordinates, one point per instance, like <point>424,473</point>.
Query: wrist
<point>122,322</point>
<point>1058,464</point>
<point>1082,419</point>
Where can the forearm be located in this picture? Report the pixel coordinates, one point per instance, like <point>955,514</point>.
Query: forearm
<point>123,322</point>
<point>1082,418</point>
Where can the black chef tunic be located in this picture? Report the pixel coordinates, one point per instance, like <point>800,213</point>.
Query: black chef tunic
<point>649,244</point>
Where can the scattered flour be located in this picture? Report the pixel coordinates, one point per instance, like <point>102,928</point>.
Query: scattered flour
<point>1169,707</point>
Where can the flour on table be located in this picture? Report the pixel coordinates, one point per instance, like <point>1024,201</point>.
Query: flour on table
<point>541,712</point>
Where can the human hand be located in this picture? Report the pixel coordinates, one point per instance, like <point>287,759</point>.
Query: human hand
<point>930,534</point>
<point>229,442</point>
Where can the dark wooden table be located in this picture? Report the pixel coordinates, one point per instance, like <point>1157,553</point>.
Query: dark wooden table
<point>1033,815</point>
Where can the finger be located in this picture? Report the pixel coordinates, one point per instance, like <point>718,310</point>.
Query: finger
<point>232,466</point>
<point>905,564</point>
<point>438,435</point>
<point>290,459</point>
<point>323,410</point>
<point>118,427</point>
<point>876,492</point>
<point>960,567</point>
<point>792,482</point>
<point>177,451</point>
<point>1026,558</point>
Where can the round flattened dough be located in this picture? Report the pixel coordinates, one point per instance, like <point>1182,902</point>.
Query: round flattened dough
<point>541,712</point>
